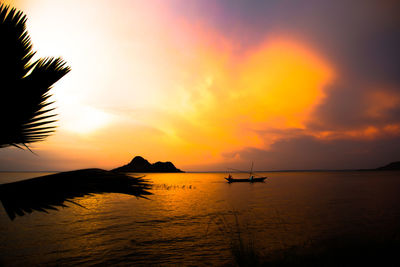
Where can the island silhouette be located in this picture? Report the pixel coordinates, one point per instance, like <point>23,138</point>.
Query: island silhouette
<point>139,164</point>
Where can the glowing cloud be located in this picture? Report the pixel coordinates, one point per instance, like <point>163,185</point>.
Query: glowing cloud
<point>87,120</point>
<point>147,80</point>
<point>149,83</point>
<point>277,85</point>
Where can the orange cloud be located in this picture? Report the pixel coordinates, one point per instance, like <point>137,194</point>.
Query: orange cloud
<point>380,103</point>
<point>220,101</point>
<point>282,82</point>
<point>168,89</point>
<point>376,119</point>
<point>233,97</point>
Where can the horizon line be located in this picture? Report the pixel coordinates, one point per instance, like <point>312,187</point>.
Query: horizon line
<point>210,171</point>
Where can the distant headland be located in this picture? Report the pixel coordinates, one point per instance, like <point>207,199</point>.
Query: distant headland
<point>393,166</point>
<point>139,164</point>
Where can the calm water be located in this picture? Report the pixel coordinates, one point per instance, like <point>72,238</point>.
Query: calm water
<point>182,221</point>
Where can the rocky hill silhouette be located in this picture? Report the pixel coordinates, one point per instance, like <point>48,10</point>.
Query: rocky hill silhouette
<point>139,164</point>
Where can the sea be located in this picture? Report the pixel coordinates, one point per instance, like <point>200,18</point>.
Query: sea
<point>192,219</point>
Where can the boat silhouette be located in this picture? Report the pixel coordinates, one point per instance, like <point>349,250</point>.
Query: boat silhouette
<point>251,179</point>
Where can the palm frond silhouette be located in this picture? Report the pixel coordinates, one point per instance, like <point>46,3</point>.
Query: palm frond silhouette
<point>51,192</point>
<point>26,115</point>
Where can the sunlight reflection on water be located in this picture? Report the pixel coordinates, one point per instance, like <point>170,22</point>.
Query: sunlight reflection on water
<point>177,225</point>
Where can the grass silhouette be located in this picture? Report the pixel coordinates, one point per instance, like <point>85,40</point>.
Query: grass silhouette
<point>241,243</point>
<point>368,249</point>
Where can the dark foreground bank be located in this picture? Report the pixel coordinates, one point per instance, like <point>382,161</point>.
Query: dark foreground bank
<point>337,251</point>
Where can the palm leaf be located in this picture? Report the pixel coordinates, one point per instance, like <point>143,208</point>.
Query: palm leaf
<point>24,85</point>
<point>52,191</point>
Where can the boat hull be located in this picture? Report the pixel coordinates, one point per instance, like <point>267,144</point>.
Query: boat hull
<point>254,180</point>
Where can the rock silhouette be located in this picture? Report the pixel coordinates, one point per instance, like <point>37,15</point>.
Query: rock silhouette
<point>139,164</point>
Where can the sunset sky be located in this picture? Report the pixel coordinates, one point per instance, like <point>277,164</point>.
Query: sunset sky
<point>212,84</point>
